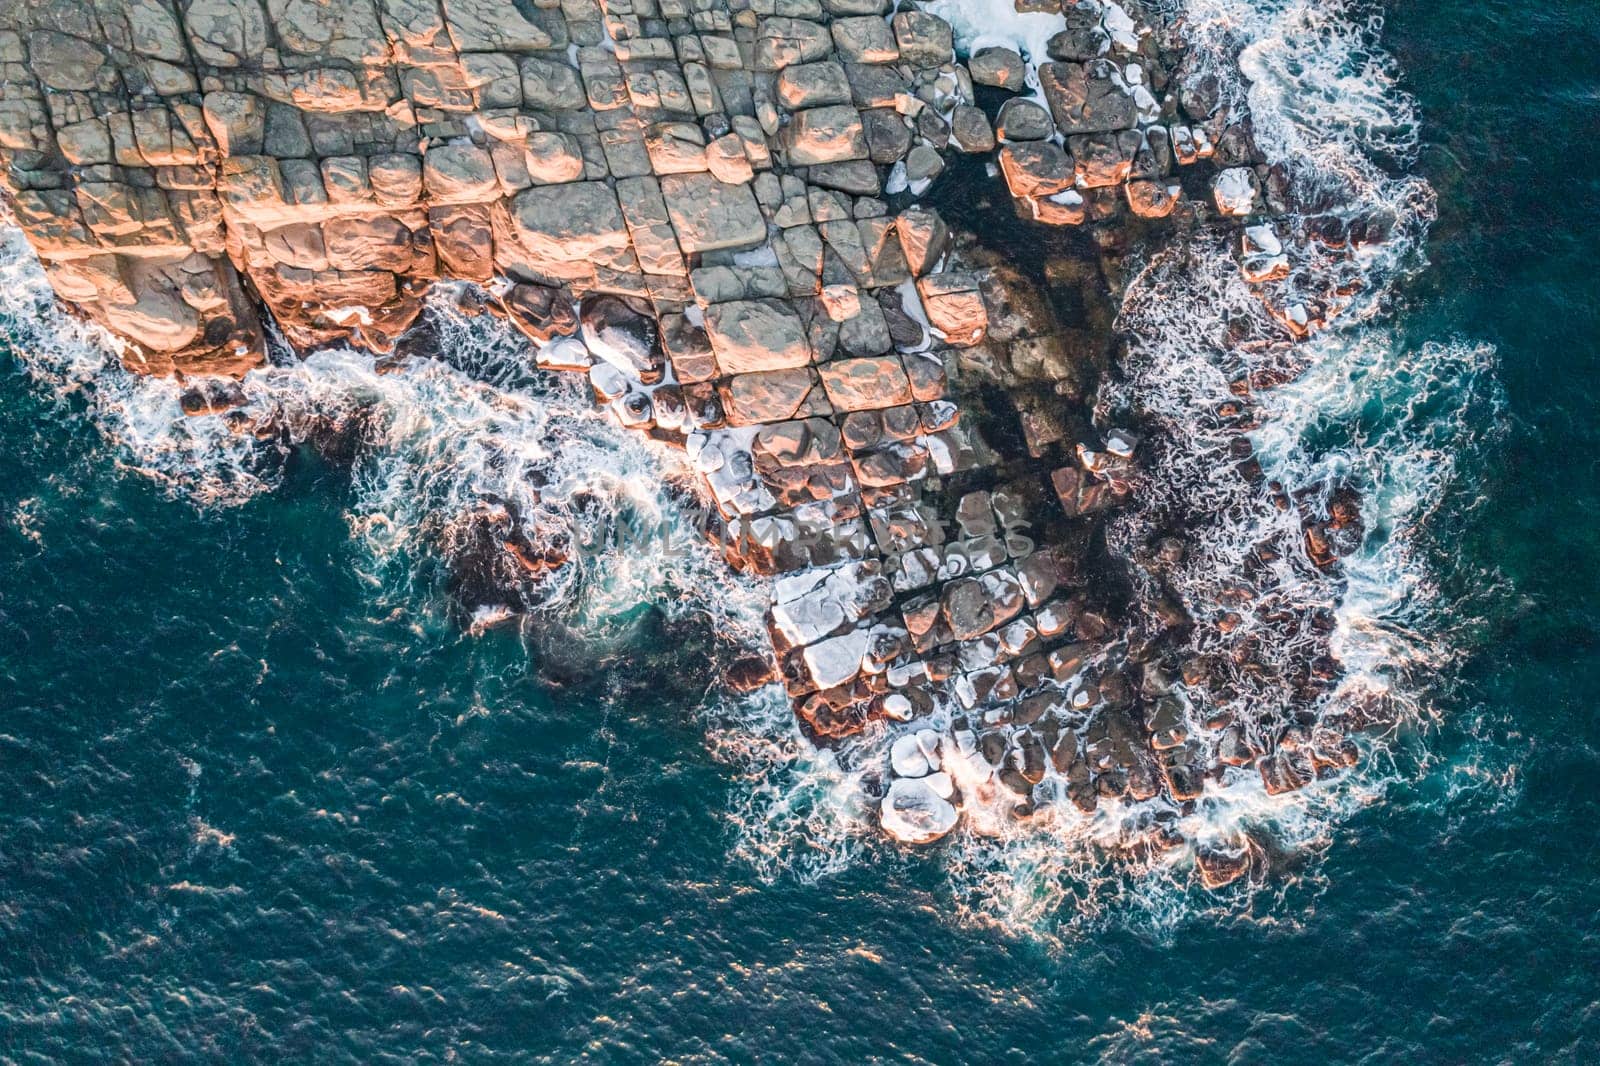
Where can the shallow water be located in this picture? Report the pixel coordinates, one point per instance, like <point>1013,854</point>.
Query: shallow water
<point>266,800</point>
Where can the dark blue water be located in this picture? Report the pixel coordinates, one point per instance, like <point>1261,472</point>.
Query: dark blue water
<point>256,810</point>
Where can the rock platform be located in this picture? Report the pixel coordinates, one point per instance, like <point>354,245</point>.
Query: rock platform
<point>710,207</point>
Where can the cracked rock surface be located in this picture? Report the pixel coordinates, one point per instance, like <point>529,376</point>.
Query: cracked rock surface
<point>718,197</point>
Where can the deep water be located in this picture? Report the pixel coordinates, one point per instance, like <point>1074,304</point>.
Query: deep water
<point>255,811</point>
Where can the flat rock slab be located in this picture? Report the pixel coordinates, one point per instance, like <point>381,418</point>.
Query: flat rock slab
<point>754,335</point>
<point>711,215</point>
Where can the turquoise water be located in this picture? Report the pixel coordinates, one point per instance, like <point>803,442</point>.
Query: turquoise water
<point>265,800</point>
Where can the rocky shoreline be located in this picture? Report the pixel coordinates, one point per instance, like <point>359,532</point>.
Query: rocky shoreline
<point>720,212</point>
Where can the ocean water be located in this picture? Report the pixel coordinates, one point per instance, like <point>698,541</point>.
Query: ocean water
<point>269,797</point>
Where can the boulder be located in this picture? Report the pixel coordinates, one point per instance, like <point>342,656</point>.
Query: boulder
<point>954,306</point>
<point>1082,39</point>
<point>1001,68</point>
<point>969,130</point>
<point>710,215</point>
<point>813,85</point>
<point>967,609</point>
<point>1035,168</point>
<point>622,336</point>
<point>1087,97</point>
<point>1153,199</point>
<point>1235,191</point>
<point>552,158</point>
<point>1102,159</point>
<point>865,40</point>
<point>865,384</point>
<point>459,174</point>
<point>924,238</point>
<point>550,85</point>
<point>917,810</point>
<point>924,40</point>
<point>575,223</point>
<point>783,42</point>
<point>1221,864</point>
<point>767,396</point>
<point>915,754</point>
<point>237,121</point>
<point>756,335</point>
<point>541,313</point>
<point>1023,120</point>
<point>888,136</point>
<point>727,160</point>
<point>837,660</point>
<point>825,135</point>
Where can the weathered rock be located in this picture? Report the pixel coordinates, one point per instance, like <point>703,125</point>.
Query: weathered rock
<point>575,223</point>
<point>813,85</point>
<point>865,40</point>
<point>1235,191</point>
<point>459,174</point>
<point>924,238</point>
<point>862,384</point>
<point>622,337</point>
<point>1036,168</point>
<point>826,135</point>
<point>1087,97</point>
<point>954,305</point>
<point>970,131</point>
<point>924,40</point>
<point>754,335</point>
<point>999,67</point>
<point>709,215</point>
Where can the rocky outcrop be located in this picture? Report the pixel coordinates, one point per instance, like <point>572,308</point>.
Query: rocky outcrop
<point>715,197</point>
